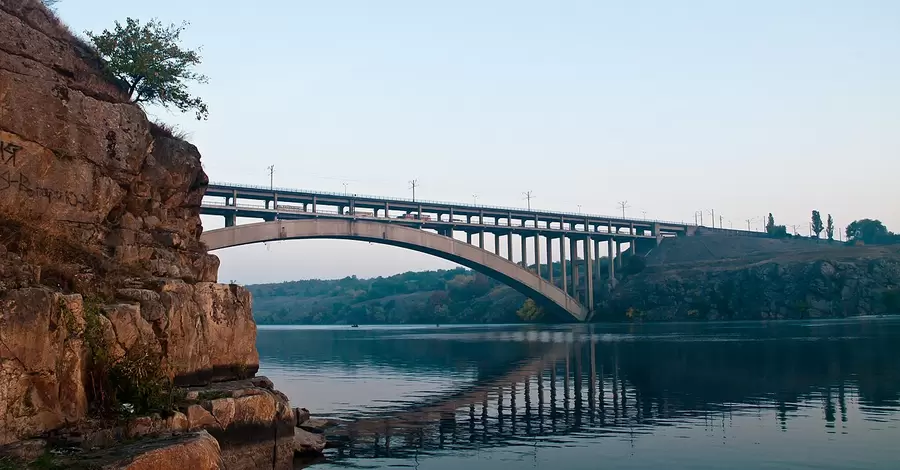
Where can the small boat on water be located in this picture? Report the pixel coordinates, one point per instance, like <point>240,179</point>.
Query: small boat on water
<point>354,326</point>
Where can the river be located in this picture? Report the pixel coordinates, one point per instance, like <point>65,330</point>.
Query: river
<point>779,395</point>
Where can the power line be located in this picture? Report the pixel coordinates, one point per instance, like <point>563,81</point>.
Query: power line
<point>624,205</point>
<point>528,197</point>
<point>413,184</point>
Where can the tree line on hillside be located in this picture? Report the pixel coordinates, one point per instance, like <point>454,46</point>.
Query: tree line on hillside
<point>862,231</point>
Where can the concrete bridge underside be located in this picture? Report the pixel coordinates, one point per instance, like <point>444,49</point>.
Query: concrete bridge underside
<point>556,300</point>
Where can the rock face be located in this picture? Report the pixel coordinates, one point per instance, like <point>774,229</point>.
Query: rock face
<point>253,423</point>
<point>194,451</point>
<point>833,283</point>
<point>99,212</point>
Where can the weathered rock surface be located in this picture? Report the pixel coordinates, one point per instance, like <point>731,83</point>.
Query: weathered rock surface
<point>41,362</point>
<point>98,210</point>
<point>306,442</point>
<point>194,451</point>
<point>253,423</point>
<point>833,283</point>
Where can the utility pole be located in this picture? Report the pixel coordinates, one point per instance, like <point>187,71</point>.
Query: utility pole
<point>794,226</point>
<point>698,213</point>
<point>412,184</point>
<point>712,213</point>
<point>720,221</point>
<point>644,213</point>
<point>748,223</point>
<point>475,199</point>
<point>345,188</point>
<point>579,208</point>
<point>624,205</point>
<point>528,197</point>
<point>271,169</point>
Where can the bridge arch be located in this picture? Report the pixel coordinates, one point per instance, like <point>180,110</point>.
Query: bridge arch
<point>473,257</point>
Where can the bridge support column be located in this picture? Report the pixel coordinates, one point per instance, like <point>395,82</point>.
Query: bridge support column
<point>230,220</point>
<point>562,262</point>
<point>619,255</point>
<point>588,274</point>
<point>537,254</point>
<point>469,238</point>
<point>481,240</point>
<point>633,246</point>
<point>612,265</point>
<point>597,259</point>
<point>496,244</point>
<point>523,239</point>
<point>549,258</point>
<point>509,247</point>
<point>574,263</point>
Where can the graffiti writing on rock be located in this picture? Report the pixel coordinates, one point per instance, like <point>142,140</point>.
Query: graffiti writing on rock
<point>23,184</point>
<point>8,151</point>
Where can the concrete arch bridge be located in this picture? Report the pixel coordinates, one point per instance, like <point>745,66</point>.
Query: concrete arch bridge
<point>519,278</point>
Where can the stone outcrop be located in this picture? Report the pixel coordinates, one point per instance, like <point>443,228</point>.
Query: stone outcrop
<point>253,422</point>
<point>830,283</point>
<point>99,221</point>
<point>194,451</point>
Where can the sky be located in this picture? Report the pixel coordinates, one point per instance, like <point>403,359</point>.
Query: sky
<point>743,108</point>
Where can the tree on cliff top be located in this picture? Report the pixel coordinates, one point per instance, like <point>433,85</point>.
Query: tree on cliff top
<point>817,226</point>
<point>829,228</point>
<point>154,67</point>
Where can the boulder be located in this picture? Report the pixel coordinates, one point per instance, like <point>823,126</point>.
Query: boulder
<point>306,442</point>
<point>195,451</point>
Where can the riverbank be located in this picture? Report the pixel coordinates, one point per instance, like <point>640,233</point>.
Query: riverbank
<point>818,280</point>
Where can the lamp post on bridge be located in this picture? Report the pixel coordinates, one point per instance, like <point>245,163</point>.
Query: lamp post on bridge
<point>474,199</point>
<point>271,169</point>
<point>345,188</point>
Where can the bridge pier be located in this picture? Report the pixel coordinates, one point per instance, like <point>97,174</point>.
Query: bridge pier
<point>509,247</point>
<point>588,274</point>
<point>549,240</point>
<point>574,253</point>
<point>496,243</point>
<point>619,255</point>
<point>597,259</point>
<point>481,239</point>
<point>562,263</point>
<point>537,253</point>
<point>523,239</point>
<point>610,246</point>
<point>230,220</point>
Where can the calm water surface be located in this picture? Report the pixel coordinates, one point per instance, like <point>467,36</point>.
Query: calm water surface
<point>731,395</point>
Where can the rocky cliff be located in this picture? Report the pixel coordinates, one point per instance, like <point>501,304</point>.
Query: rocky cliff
<point>827,282</point>
<point>100,258</point>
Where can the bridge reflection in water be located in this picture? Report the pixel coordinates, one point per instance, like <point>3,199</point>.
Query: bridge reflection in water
<point>589,385</point>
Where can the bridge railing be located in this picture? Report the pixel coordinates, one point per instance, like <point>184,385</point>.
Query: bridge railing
<point>445,203</point>
<point>368,215</point>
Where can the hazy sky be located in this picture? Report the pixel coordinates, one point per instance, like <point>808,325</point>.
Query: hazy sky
<point>745,107</point>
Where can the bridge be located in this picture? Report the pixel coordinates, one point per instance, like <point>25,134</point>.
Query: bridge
<point>496,241</point>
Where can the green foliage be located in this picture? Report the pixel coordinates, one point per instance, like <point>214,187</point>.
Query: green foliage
<point>817,226</point>
<point>44,462</point>
<point>778,231</point>
<point>634,265</point>
<point>445,296</point>
<point>151,63</point>
<point>770,224</point>
<point>869,231</point>
<point>891,299</point>
<point>530,311</point>
<point>829,228</point>
<point>137,379</point>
